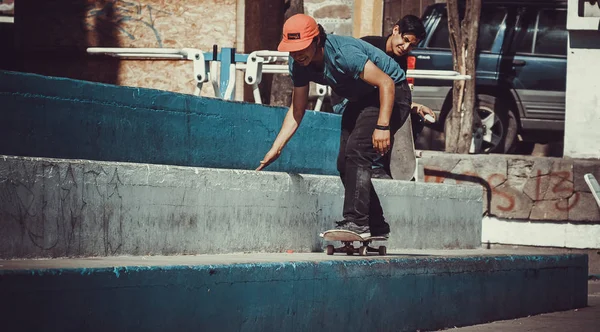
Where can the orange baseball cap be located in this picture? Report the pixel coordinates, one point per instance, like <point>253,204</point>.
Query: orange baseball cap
<point>298,32</point>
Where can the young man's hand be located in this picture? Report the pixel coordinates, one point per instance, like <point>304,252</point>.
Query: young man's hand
<point>270,157</point>
<point>381,141</point>
<point>422,110</point>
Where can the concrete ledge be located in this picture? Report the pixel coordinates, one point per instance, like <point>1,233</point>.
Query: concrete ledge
<point>543,234</point>
<point>64,118</point>
<point>58,208</point>
<point>277,294</point>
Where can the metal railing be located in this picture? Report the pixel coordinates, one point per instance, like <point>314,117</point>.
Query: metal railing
<point>206,67</point>
<point>594,186</point>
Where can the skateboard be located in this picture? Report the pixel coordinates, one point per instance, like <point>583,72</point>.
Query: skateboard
<point>348,238</point>
<point>403,159</point>
<point>594,187</point>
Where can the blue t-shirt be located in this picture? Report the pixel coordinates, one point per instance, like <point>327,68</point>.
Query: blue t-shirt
<point>344,59</point>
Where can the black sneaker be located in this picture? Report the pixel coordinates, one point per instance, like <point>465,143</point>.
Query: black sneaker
<point>352,227</point>
<point>383,235</point>
<point>382,231</point>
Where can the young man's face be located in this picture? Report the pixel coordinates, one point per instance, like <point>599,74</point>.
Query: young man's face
<point>402,43</point>
<point>305,56</point>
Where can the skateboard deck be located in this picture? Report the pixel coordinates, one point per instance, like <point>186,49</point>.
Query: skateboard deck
<point>403,161</point>
<point>594,186</point>
<point>348,238</point>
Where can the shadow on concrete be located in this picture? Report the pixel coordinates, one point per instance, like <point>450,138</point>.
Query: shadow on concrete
<point>464,178</point>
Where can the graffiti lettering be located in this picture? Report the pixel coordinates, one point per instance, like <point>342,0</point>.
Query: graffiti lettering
<point>511,200</point>
<point>568,206</point>
<point>508,200</point>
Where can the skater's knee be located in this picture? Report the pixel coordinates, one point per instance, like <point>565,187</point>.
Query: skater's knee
<point>359,157</point>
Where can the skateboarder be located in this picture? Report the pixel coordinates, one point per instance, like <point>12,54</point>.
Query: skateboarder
<point>379,101</point>
<point>397,45</point>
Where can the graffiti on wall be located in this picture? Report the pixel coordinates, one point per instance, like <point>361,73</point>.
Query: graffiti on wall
<point>520,189</point>
<point>508,200</point>
<point>53,220</point>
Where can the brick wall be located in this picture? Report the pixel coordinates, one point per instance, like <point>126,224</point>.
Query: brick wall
<point>54,35</point>
<point>334,15</point>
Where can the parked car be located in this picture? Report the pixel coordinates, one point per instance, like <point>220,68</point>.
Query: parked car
<point>520,77</point>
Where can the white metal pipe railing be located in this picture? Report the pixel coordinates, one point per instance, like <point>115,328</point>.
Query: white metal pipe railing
<point>149,56</point>
<point>594,186</point>
<point>129,50</point>
<point>436,74</point>
<point>267,68</point>
<point>257,63</point>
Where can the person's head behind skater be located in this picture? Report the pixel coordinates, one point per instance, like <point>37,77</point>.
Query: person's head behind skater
<point>303,38</point>
<point>407,32</point>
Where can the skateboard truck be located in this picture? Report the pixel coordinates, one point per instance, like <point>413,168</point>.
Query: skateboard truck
<point>348,238</point>
<point>350,250</point>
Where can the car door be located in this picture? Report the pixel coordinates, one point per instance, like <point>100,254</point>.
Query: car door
<point>537,66</point>
<point>436,55</point>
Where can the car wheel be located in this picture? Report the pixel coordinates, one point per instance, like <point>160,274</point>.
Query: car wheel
<point>494,126</point>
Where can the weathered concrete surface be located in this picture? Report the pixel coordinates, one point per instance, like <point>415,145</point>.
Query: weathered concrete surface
<point>520,187</point>
<point>315,294</point>
<point>56,208</point>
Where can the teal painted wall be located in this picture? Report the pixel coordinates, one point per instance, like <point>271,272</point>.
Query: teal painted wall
<point>63,118</point>
<point>395,294</point>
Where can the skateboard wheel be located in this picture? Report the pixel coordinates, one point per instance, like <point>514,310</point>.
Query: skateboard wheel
<point>382,250</point>
<point>330,250</point>
<point>362,251</point>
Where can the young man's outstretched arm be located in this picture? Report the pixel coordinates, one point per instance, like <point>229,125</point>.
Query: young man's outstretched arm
<point>292,121</point>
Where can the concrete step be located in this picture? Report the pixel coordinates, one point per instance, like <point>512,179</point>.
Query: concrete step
<point>406,291</point>
<point>74,208</point>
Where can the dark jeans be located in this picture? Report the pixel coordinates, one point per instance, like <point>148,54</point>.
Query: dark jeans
<point>381,164</point>
<point>356,156</point>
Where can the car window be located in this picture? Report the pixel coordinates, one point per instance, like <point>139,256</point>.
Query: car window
<point>488,29</point>
<point>489,24</point>
<point>551,36</point>
<point>439,38</point>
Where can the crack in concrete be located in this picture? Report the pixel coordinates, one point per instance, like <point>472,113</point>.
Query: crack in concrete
<point>501,183</point>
